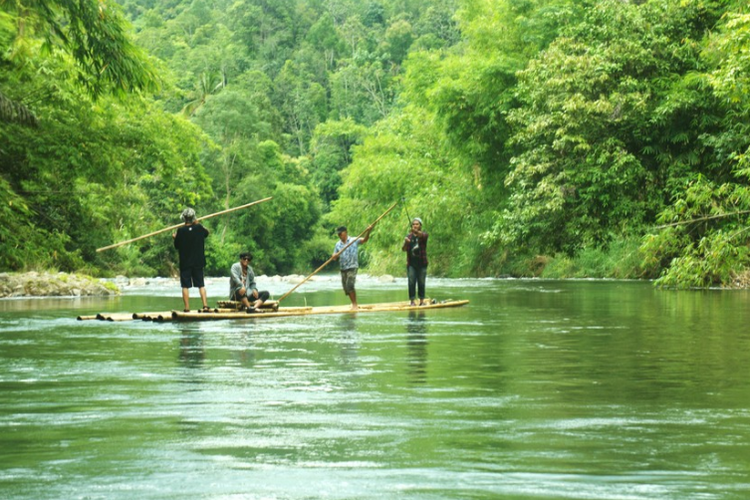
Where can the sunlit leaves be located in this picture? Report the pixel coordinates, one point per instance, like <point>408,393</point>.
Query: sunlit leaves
<point>729,51</point>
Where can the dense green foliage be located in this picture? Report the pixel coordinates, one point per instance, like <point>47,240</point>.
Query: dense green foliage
<point>536,137</point>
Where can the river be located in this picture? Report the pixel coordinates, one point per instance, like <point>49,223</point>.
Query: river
<point>534,390</point>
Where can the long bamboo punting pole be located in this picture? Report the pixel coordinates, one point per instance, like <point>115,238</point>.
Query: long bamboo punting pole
<point>170,228</point>
<point>337,254</point>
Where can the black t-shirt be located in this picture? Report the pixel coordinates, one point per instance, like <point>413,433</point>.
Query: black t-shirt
<point>190,243</point>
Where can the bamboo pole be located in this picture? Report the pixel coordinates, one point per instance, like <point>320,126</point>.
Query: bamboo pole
<point>701,219</point>
<point>170,228</point>
<point>369,228</point>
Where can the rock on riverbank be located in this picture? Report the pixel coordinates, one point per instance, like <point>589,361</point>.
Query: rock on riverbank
<point>36,284</point>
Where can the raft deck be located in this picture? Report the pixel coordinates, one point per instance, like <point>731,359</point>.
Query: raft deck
<point>231,313</point>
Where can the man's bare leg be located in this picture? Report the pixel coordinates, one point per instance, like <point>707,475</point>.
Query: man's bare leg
<point>186,298</point>
<point>246,303</point>
<point>204,298</point>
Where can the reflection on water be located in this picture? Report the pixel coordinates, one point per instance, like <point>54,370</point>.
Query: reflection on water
<point>192,352</point>
<point>348,339</point>
<point>416,341</point>
<point>246,350</point>
<point>537,389</point>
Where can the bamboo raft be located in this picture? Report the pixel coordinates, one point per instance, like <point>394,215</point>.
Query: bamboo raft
<point>229,310</point>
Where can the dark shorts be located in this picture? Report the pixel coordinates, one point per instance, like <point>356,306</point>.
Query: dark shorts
<point>192,277</point>
<point>348,280</point>
<point>262,295</point>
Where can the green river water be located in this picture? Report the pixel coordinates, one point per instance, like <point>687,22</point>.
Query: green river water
<point>535,390</point>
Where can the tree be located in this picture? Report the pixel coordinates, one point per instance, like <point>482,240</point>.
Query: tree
<point>405,159</point>
<point>276,232</point>
<point>331,150</point>
<point>208,83</point>
<point>398,39</point>
<point>438,24</point>
<point>267,29</point>
<point>610,124</point>
<point>702,238</point>
<point>58,56</point>
<point>94,34</point>
<point>324,37</point>
<point>302,102</point>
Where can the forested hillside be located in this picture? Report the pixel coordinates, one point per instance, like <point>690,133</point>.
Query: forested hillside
<point>554,138</point>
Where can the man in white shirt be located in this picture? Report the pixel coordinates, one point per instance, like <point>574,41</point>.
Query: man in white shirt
<point>349,261</point>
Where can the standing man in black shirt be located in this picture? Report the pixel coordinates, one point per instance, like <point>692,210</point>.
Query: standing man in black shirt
<point>189,241</point>
<point>415,246</point>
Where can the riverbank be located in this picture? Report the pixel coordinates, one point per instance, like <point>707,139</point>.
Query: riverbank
<point>47,284</point>
<point>50,284</point>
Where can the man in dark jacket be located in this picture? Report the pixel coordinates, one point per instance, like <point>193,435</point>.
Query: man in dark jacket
<point>415,246</point>
<point>189,240</point>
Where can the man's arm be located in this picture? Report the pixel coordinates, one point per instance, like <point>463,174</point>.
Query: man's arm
<point>235,278</point>
<point>407,244</point>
